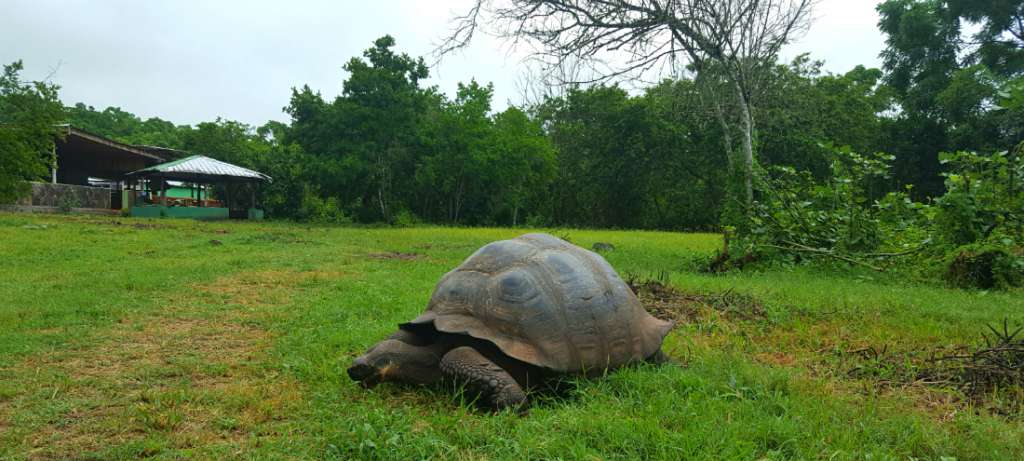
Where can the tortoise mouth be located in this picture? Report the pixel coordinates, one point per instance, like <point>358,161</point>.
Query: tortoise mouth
<point>367,375</point>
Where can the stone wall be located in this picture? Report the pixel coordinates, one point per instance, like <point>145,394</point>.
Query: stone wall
<point>50,195</point>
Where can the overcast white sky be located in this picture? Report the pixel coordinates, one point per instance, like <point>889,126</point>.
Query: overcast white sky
<point>189,61</point>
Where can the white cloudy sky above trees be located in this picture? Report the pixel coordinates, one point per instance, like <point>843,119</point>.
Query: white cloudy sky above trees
<point>191,60</point>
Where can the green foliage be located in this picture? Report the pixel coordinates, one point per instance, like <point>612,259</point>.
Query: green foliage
<point>984,198</point>
<point>948,82</point>
<point>389,150</point>
<point>985,265</point>
<point>981,218</point>
<point>803,111</point>
<point>971,235</point>
<point>315,209</point>
<point>635,162</point>
<point>115,123</point>
<point>795,213</point>
<point>29,115</point>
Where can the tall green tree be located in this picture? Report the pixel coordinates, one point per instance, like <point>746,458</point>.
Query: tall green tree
<point>454,172</point>
<point>635,162</point>
<point>525,166</point>
<point>947,61</point>
<point>29,115</point>
<point>126,127</point>
<point>369,134</point>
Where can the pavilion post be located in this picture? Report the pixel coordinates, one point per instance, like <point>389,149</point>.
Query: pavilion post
<point>53,168</point>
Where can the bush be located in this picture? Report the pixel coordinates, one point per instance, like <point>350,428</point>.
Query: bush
<point>318,210</point>
<point>794,218</point>
<point>971,236</point>
<point>405,218</point>
<point>985,266</point>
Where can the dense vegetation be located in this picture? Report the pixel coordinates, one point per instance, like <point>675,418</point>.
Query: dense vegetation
<point>28,113</point>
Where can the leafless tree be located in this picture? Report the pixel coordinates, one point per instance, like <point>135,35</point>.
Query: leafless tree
<point>539,80</point>
<point>734,42</point>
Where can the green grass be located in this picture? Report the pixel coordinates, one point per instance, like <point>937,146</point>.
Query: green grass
<point>124,338</point>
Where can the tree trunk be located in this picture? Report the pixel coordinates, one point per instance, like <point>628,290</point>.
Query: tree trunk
<point>747,125</point>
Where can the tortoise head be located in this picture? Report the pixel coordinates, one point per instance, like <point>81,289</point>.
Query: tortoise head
<point>394,360</point>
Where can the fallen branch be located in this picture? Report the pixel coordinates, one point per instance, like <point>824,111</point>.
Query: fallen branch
<point>821,251</point>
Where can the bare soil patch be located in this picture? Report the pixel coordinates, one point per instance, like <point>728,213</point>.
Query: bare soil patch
<point>668,303</point>
<point>395,255</point>
<point>263,288</point>
<point>183,374</point>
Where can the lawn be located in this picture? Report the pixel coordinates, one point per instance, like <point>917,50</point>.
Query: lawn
<point>124,338</point>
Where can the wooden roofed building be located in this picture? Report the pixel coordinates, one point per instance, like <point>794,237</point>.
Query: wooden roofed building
<point>95,174</point>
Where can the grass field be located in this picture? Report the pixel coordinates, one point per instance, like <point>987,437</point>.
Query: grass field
<point>124,338</point>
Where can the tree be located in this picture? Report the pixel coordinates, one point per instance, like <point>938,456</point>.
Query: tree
<point>29,115</point>
<point>947,80</point>
<point>635,162</point>
<point>736,39</point>
<point>383,104</point>
<point>804,111</point>
<point>367,137</point>
<point>126,127</point>
<point>455,167</point>
<point>524,164</point>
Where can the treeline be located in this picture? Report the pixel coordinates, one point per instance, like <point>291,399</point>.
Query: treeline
<point>390,149</point>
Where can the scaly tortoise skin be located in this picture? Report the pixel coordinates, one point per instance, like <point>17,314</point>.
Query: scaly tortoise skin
<point>514,314</point>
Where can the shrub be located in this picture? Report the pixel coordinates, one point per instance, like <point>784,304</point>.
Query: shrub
<point>315,209</point>
<point>985,266</point>
<point>405,218</point>
<point>794,218</point>
<point>971,236</point>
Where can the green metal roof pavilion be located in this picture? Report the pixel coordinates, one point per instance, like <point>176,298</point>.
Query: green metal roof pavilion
<point>196,169</point>
<point>200,169</point>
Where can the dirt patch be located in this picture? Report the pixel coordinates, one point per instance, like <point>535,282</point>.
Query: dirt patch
<point>275,237</point>
<point>776,358</point>
<point>668,303</point>
<point>189,376</point>
<point>263,288</point>
<point>191,380</point>
<point>395,255</point>
<point>139,225</point>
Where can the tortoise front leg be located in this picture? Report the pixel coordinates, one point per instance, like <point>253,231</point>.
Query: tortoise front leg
<point>491,382</point>
<point>658,358</point>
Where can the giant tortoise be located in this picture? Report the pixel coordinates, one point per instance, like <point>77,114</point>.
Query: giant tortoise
<point>515,314</point>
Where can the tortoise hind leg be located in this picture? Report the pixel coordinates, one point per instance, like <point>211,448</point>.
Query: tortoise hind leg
<point>495,385</point>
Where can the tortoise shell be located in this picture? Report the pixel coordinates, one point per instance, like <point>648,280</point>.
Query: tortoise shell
<point>545,302</point>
